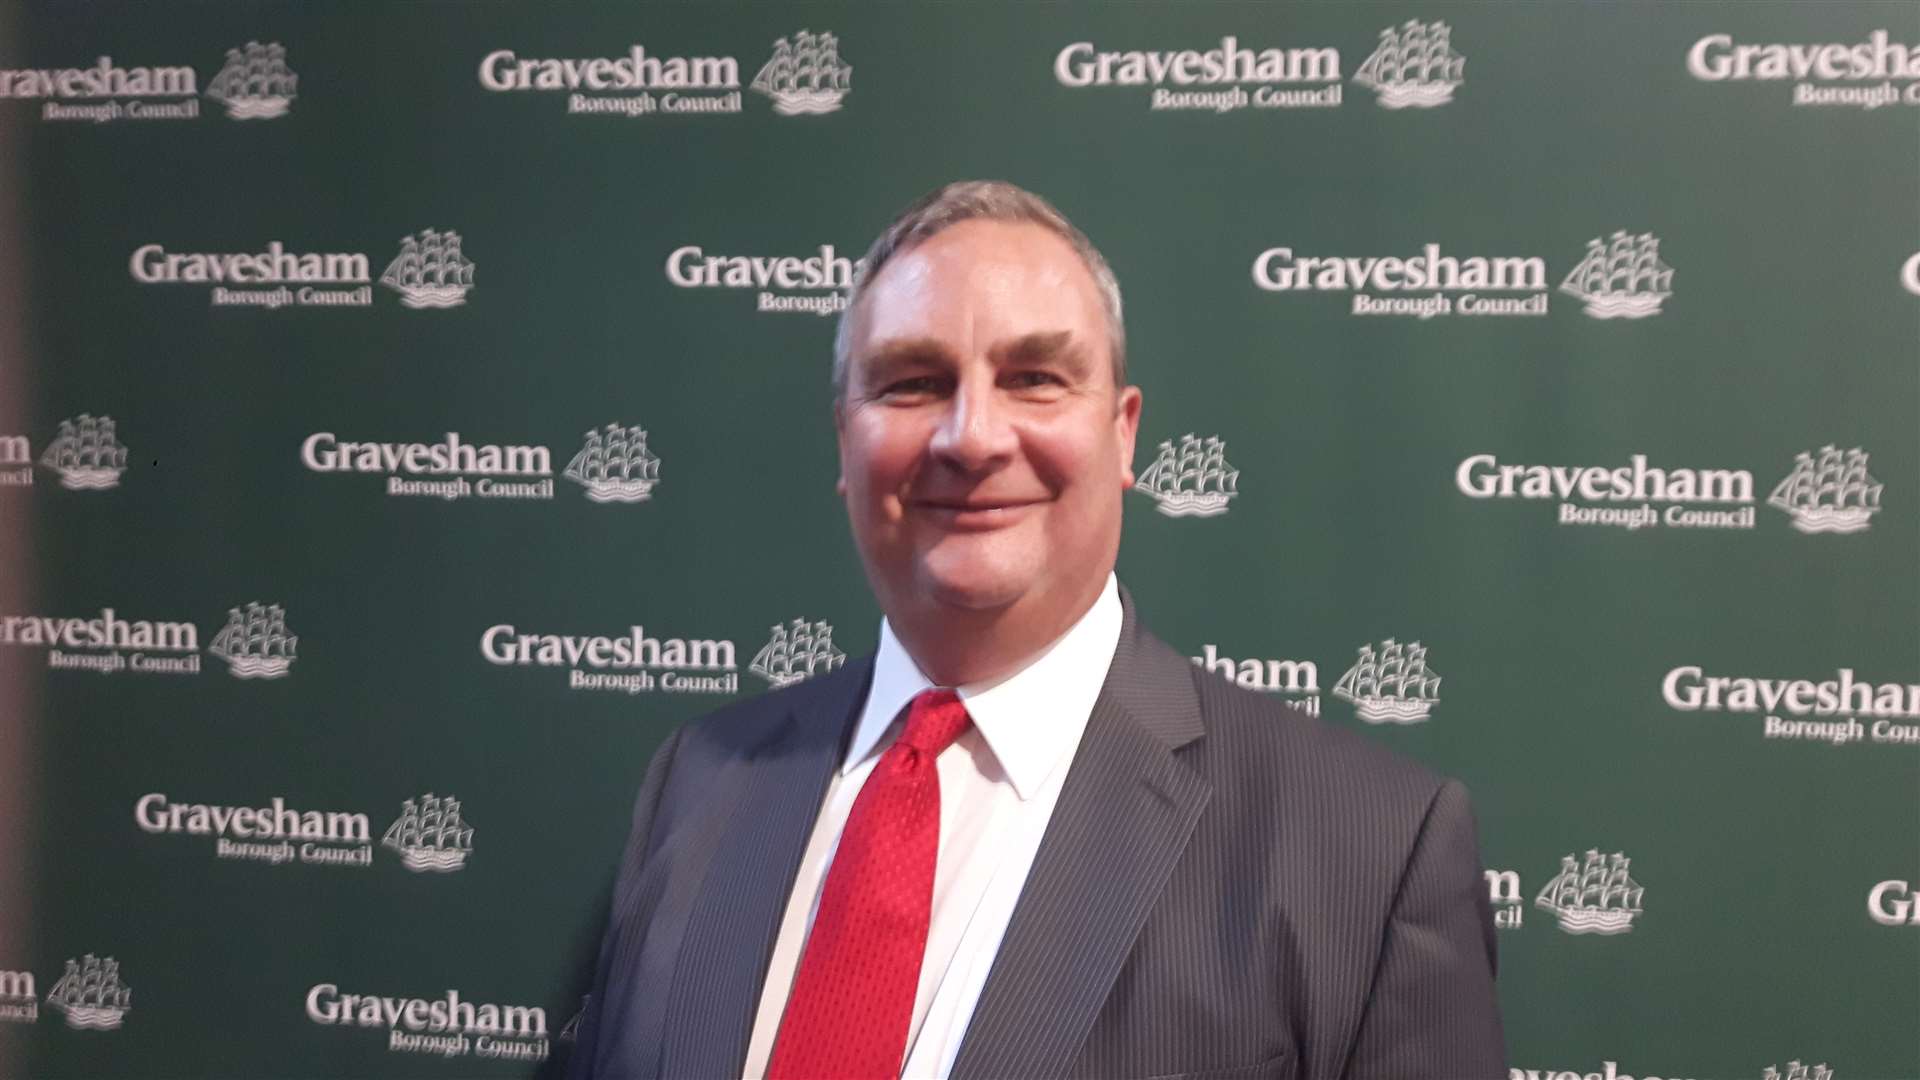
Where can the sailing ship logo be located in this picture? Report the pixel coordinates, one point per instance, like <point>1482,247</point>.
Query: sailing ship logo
<point>1594,897</point>
<point>91,994</point>
<point>86,454</point>
<point>615,465</point>
<point>797,652</point>
<point>1622,278</point>
<point>1414,66</point>
<point>430,835</point>
<point>255,643</point>
<point>1831,492</point>
<point>806,76</point>
<point>430,272</point>
<point>1393,685</point>
<point>1194,480</point>
<point>1796,1071</point>
<point>255,83</point>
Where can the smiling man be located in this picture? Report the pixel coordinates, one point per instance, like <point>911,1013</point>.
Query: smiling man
<point>1025,838</point>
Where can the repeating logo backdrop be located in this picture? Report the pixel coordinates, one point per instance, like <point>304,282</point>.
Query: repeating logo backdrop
<point>411,414</point>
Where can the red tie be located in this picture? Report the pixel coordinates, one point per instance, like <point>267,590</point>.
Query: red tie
<point>852,1001</point>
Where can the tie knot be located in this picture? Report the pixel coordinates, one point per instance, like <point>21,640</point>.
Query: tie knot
<point>934,719</point>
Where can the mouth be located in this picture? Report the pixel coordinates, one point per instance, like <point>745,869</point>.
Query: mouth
<point>973,515</point>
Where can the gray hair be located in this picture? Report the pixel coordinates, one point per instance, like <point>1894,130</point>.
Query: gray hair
<point>990,200</point>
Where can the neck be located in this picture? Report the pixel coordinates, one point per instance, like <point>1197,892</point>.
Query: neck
<point>963,646</point>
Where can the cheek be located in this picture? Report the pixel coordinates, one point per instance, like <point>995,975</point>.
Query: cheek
<point>1072,460</point>
<point>878,458</point>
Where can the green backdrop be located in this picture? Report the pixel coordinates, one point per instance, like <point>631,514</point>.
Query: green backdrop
<point>1311,209</point>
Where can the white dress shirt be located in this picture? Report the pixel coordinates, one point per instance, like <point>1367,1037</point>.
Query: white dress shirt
<point>998,785</point>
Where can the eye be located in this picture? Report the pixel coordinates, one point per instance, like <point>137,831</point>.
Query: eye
<point>1031,378</point>
<point>916,386</point>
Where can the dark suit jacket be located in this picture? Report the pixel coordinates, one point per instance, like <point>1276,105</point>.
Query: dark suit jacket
<point>1227,890</point>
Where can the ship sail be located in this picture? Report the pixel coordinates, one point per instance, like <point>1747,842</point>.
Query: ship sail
<point>777,75</point>
<point>1161,475</point>
<point>797,651</point>
<point>806,62</point>
<point>773,661</point>
<point>1190,458</point>
<point>404,270</point>
<point>1360,679</point>
<point>1382,66</point>
<point>1620,264</point>
<point>405,831</point>
<point>1797,489</point>
<point>582,467</point>
<point>1214,473</point>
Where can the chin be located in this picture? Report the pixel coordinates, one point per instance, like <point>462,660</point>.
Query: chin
<point>970,595</point>
<point>972,588</point>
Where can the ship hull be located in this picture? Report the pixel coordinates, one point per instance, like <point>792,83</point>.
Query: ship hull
<point>784,679</point>
<point>624,491</point>
<point>433,296</point>
<point>806,102</point>
<point>1627,306</point>
<point>1191,504</point>
<point>428,860</point>
<point>1375,710</point>
<point>86,479</point>
<point>258,108</point>
<point>93,1017</point>
<point>258,667</point>
<point>1415,95</point>
<point>780,680</point>
<point>1592,921</point>
<point>1850,519</point>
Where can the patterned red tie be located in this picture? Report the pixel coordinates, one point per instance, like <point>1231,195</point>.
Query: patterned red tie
<point>852,1000</point>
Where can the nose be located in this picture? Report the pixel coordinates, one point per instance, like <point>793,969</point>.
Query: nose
<point>976,433</point>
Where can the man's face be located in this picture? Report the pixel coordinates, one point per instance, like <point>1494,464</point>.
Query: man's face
<point>984,448</point>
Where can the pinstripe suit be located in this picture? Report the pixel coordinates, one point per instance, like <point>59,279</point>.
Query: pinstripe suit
<point>1228,890</point>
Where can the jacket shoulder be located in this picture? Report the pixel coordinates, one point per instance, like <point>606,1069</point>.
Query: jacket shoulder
<point>743,725</point>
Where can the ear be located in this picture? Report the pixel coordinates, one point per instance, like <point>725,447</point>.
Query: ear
<point>1126,426</point>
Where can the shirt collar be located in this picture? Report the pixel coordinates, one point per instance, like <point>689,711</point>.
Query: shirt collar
<point>1031,720</point>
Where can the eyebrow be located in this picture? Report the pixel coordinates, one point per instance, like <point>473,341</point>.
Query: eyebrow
<point>1044,348</point>
<point>896,354</point>
<point>1041,348</point>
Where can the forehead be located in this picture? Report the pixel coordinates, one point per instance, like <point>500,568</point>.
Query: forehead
<point>977,283</point>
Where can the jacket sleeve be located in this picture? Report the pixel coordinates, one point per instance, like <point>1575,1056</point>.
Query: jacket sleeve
<point>1433,1013</point>
<point>587,1044</point>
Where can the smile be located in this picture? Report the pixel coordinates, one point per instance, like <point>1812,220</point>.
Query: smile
<point>975,515</point>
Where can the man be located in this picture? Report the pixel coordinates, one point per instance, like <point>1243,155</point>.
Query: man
<point>1026,838</point>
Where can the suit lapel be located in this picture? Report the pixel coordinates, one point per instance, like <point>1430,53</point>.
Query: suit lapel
<point>776,790</point>
<point>1124,816</point>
